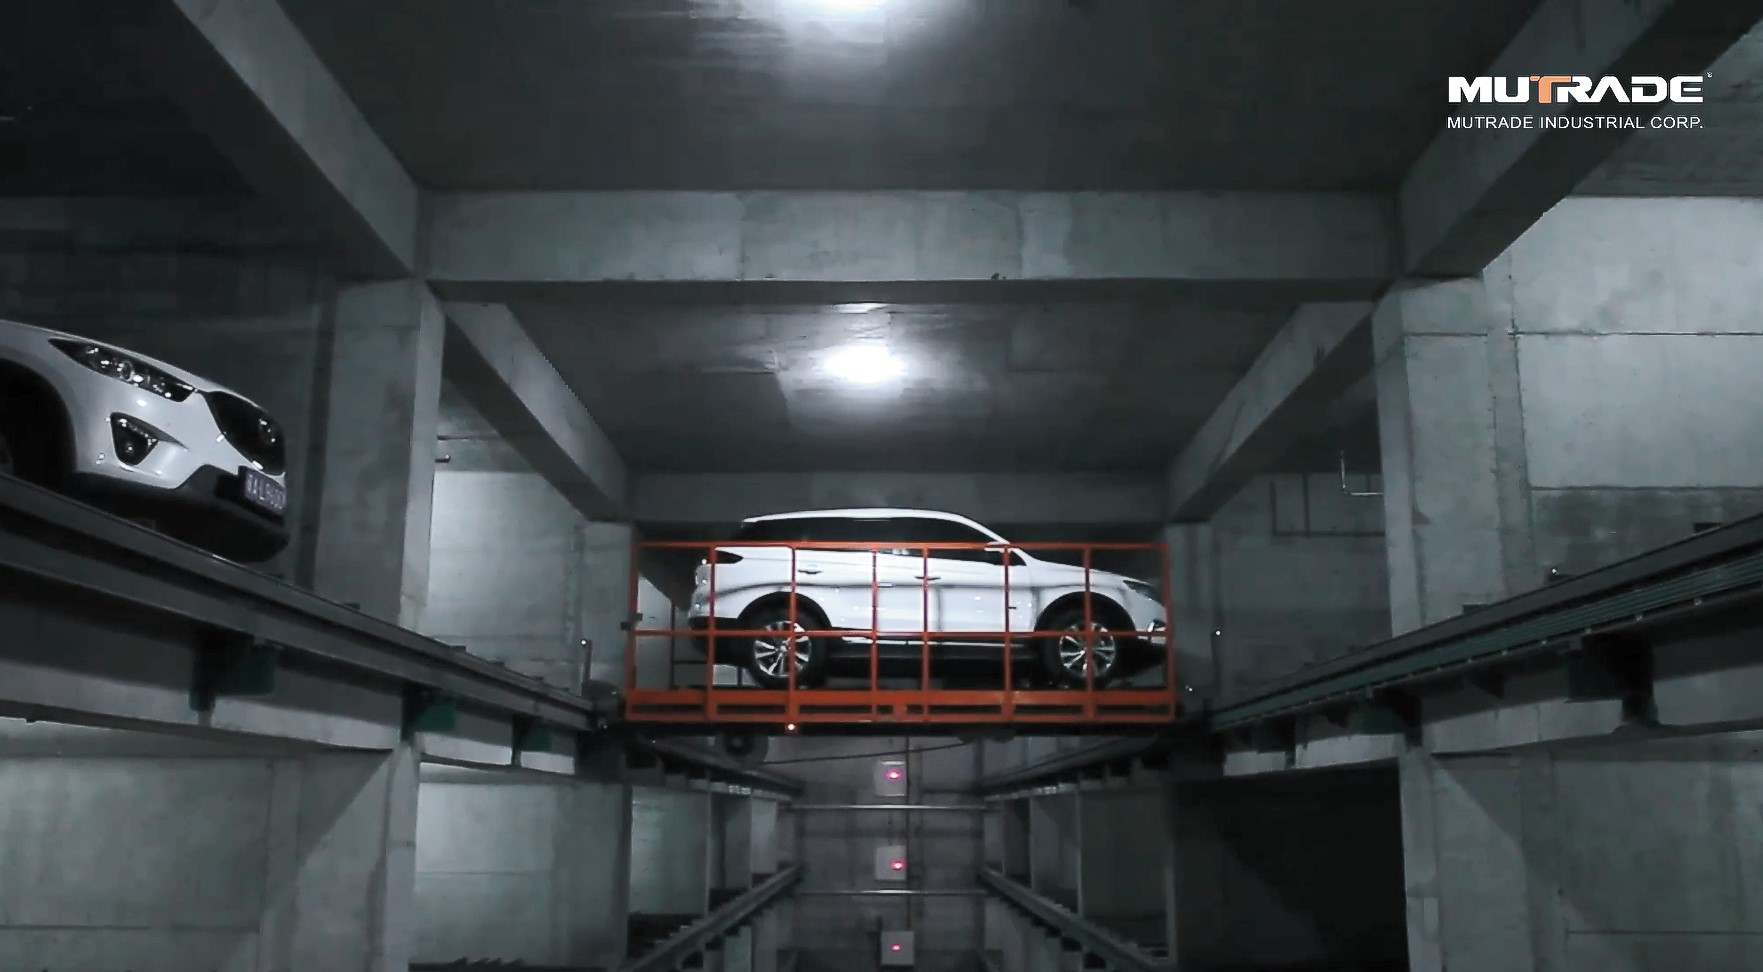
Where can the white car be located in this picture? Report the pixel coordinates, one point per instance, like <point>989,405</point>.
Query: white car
<point>142,439</point>
<point>959,602</point>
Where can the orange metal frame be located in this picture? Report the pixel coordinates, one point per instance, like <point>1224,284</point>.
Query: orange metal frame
<point>792,706</point>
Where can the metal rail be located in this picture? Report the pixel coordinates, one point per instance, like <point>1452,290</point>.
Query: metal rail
<point>1070,763</point>
<point>673,951</point>
<point>890,892</point>
<point>702,761</point>
<point>1117,953</point>
<point>891,807</point>
<point>94,556</point>
<point>1703,572</point>
<point>1085,702</point>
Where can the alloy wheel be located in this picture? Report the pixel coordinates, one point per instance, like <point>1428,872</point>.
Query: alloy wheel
<point>770,651</point>
<point>1071,650</point>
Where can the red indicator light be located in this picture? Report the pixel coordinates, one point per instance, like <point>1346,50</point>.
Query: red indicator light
<point>894,947</point>
<point>894,774</point>
<point>898,865</point>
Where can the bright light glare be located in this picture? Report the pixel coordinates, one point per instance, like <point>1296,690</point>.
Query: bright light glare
<point>865,364</point>
<point>857,308</point>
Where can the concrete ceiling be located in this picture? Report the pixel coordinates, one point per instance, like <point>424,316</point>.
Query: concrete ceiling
<point>1034,387</point>
<point>78,117</point>
<point>1024,94</point>
<point>1722,157</point>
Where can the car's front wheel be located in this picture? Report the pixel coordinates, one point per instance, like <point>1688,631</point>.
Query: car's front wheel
<point>1062,655</point>
<point>769,656</point>
<point>29,446</point>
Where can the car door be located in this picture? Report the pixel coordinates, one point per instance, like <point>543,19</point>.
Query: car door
<point>877,560</point>
<point>967,584</point>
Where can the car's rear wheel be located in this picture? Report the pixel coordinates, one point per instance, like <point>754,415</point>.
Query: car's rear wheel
<point>768,656</point>
<point>1062,655</point>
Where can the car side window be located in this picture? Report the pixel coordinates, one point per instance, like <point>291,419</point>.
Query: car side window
<point>948,531</point>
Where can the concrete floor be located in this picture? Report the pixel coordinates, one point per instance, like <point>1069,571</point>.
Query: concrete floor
<point>527,283</point>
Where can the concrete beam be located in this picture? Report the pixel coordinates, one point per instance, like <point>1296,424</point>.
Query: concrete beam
<point>1313,359</point>
<point>1473,192</point>
<point>122,224</point>
<point>908,236</point>
<point>505,377</point>
<point>718,499</point>
<point>246,77</point>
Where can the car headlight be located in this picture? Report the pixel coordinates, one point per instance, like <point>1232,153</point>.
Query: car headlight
<point>1144,590</point>
<point>125,369</point>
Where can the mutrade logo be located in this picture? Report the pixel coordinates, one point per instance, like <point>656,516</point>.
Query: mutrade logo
<point>1549,89</point>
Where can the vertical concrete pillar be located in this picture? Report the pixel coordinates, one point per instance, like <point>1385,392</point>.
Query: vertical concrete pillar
<point>606,597</point>
<point>306,862</point>
<point>377,468</point>
<point>521,869</point>
<point>1453,459</point>
<point>347,888</point>
<point>1193,568</point>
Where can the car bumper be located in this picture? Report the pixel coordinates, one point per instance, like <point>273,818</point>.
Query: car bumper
<point>206,510</point>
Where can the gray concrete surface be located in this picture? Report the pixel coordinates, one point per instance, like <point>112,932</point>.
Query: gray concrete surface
<point>520,870</point>
<point>237,861</point>
<point>1583,400</point>
<point>1620,860</point>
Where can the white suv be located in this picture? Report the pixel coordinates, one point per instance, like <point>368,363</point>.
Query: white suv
<point>142,439</point>
<point>965,614</point>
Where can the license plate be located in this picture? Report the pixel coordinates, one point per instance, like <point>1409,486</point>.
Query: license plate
<point>263,492</point>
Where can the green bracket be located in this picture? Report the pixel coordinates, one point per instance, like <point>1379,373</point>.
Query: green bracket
<point>1388,714</point>
<point>1276,736</point>
<point>531,736</point>
<point>232,664</point>
<point>428,710</point>
<point>1613,669</point>
<point>1607,669</point>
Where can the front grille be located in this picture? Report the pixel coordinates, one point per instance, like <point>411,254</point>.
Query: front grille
<point>250,430</point>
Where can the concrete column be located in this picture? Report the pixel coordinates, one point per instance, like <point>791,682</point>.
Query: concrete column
<point>1123,855</point>
<point>376,482</point>
<point>1194,614</point>
<point>1452,472</point>
<point>305,861</point>
<point>1589,396</point>
<point>520,869</point>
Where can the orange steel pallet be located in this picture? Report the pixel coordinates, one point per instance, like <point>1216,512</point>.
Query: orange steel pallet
<point>1090,706</point>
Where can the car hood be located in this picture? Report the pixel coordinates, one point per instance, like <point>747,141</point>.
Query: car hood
<point>194,380</point>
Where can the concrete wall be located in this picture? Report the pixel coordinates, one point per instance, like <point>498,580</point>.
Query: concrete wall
<point>837,850</point>
<point>670,852</point>
<point>1290,572</point>
<point>517,575</point>
<point>1632,859</point>
<point>519,869</point>
<point>154,854</point>
<point>1639,344</point>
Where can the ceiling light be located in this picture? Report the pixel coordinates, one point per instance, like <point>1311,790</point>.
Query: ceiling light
<point>865,364</point>
<point>857,308</point>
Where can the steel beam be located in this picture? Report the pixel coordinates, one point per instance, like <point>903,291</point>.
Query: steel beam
<point>706,932</point>
<point>1702,573</point>
<point>1119,954</point>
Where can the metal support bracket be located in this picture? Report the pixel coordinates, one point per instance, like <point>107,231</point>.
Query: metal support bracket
<point>1274,736</point>
<point>1387,714</point>
<point>229,663</point>
<point>428,710</point>
<point>1489,683</point>
<point>1613,668</point>
<point>531,736</point>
